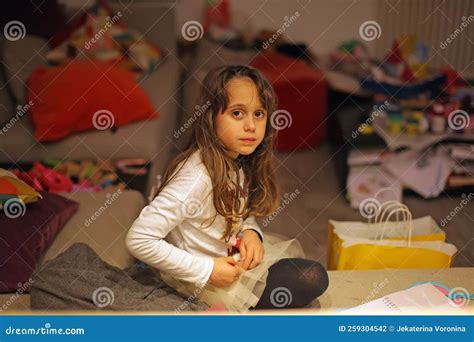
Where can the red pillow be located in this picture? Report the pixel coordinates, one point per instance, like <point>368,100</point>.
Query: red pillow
<point>84,95</point>
<point>24,239</point>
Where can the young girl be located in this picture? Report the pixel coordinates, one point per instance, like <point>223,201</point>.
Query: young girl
<point>200,230</point>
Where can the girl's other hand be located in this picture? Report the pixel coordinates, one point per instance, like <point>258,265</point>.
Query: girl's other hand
<point>225,272</point>
<point>251,250</point>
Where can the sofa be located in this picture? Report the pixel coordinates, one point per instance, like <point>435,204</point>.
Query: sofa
<point>147,139</point>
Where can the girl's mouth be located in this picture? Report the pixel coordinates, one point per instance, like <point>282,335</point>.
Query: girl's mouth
<point>248,141</point>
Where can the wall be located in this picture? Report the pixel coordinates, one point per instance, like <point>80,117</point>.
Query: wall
<point>322,23</point>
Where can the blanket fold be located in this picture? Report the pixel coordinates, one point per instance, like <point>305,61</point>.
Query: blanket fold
<point>79,279</point>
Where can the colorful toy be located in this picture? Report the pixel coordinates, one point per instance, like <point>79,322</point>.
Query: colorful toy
<point>407,59</point>
<point>85,185</point>
<point>132,166</point>
<point>395,123</point>
<point>87,169</point>
<point>421,120</point>
<point>51,179</point>
<point>107,180</point>
<point>28,179</point>
<point>71,176</point>
<point>411,126</point>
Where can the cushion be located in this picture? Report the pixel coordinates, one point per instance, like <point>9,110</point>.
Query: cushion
<point>14,193</point>
<point>24,239</point>
<point>101,34</point>
<point>302,97</point>
<point>99,96</point>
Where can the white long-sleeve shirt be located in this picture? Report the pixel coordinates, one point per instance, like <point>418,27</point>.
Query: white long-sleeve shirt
<point>168,234</point>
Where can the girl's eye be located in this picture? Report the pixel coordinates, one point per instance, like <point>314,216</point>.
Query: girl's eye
<point>237,113</point>
<point>260,114</point>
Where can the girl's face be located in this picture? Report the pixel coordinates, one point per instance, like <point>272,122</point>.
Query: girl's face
<point>241,126</point>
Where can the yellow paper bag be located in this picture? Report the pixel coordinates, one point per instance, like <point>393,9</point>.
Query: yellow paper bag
<point>381,243</point>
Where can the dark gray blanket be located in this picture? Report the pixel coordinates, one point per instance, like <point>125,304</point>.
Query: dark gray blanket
<point>79,280</point>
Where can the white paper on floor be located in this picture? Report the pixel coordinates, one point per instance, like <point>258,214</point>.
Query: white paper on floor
<point>425,172</point>
<point>424,296</point>
<point>367,182</point>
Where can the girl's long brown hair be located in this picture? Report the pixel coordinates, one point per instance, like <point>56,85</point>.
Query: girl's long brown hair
<point>263,193</point>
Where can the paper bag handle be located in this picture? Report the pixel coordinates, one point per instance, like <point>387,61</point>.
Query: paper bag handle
<point>385,213</point>
<point>409,222</point>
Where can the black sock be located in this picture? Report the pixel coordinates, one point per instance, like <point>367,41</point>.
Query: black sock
<point>293,283</point>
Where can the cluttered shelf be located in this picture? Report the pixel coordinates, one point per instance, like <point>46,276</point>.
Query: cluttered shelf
<point>428,147</point>
<point>409,127</point>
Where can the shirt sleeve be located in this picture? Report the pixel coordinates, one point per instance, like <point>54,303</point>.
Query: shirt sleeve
<point>251,223</point>
<point>145,239</point>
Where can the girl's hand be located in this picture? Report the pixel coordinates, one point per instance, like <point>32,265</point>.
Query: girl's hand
<point>251,250</point>
<point>225,272</point>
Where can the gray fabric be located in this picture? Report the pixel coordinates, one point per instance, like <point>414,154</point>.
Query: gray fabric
<point>20,58</point>
<point>79,280</point>
<point>6,105</point>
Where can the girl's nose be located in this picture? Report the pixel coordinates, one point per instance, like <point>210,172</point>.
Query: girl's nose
<point>249,124</point>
